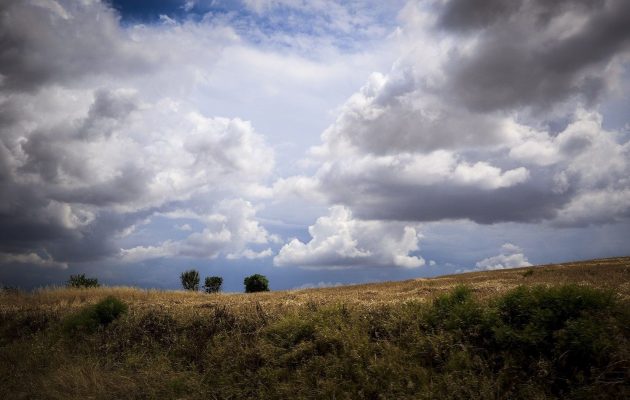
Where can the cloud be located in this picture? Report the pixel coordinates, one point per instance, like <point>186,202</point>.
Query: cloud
<point>341,19</point>
<point>41,41</point>
<point>318,285</point>
<point>165,140</point>
<point>415,145</point>
<point>89,149</point>
<point>534,53</point>
<point>338,240</point>
<point>228,230</point>
<point>511,257</point>
<point>31,259</point>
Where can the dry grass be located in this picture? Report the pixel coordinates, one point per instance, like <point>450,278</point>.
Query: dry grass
<point>382,340</point>
<point>609,273</point>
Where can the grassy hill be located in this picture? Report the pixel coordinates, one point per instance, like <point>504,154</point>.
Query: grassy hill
<point>554,331</point>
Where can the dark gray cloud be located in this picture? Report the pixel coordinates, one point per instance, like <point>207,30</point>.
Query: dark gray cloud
<point>468,137</point>
<point>462,15</point>
<point>535,53</point>
<point>52,42</point>
<point>372,197</point>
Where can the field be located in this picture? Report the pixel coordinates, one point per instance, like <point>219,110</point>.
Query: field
<point>555,331</point>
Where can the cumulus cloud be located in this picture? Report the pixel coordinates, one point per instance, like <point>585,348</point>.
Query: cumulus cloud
<point>511,257</point>
<point>88,150</point>
<point>491,113</point>
<point>339,240</point>
<point>534,53</point>
<point>449,133</point>
<point>41,41</point>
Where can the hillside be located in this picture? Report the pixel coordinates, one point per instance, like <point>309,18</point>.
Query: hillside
<point>553,331</point>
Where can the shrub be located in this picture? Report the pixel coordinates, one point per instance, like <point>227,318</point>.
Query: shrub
<point>455,310</point>
<point>98,315</point>
<point>256,283</point>
<point>527,273</point>
<point>213,284</point>
<point>190,280</point>
<point>80,281</point>
<point>568,326</point>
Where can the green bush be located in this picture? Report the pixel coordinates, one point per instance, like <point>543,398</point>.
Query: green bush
<point>456,310</point>
<point>213,284</point>
<point>80,281</point>
<point>190,280</point>
<point>256,283</point>
<point>95,316</point>
<point>567,326</point>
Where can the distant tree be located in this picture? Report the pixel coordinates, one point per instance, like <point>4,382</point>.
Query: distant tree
<point>190,280</point>
<point>213,284</point>
<point>80,281</point>
<point>256,283</point>
<point>7,289</point>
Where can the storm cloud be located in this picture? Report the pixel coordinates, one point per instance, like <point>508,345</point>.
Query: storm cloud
<point>535,53</point>
<point>426,144</point>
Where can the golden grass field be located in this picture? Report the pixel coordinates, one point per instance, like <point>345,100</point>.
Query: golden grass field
<point>415,339</point>
<point>609,273</point>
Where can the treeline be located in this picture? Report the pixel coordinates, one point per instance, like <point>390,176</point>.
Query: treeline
<point>190,281</point>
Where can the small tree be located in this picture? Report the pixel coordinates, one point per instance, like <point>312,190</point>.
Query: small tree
<point>256,283</point>
<point>80,281</point>
<point>213,284</point>
<point>190,280</point>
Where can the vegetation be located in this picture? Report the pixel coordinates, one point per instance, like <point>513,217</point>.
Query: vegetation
<point>80,281</point>
<point>213,284</point>
<point>95,316</point>
<point>256,283</point>
<point>561,333</point>
<point>190,280</point>
<point>527,273</point>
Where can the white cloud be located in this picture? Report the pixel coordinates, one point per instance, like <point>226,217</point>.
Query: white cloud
<point>511,257</point>
<point>228,230</point>
<point>318,285</point>
<point>338,240</point>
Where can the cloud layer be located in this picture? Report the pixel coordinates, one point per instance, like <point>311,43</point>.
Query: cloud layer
<point>451,133</point>
<point>218,130</point>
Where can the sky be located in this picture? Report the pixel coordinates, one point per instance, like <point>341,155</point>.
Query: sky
<point>317,142</point>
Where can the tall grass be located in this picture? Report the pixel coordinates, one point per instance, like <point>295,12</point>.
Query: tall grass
<point>462,341</point>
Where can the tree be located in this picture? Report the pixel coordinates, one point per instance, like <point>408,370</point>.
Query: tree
<point>256,283</point>
<point>80,281</point>
<point>213,284</point>
<point>190,280</point>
